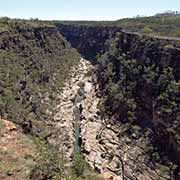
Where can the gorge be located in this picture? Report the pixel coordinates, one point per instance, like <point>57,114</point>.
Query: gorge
<point>115,102</point>
<point>153,52</point>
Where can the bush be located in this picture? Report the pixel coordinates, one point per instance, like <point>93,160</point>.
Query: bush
<point>50,162</point>
<point>177,33</point>
<point>147,30</point>
<point>79,165</point>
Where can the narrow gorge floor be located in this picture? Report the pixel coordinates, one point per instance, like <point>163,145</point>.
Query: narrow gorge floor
<point>104,145</point>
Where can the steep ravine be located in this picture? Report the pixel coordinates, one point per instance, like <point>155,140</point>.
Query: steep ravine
<point>65,119</point>
<point>105,145</point>
<point>34,64</point>
<point>148,51</point>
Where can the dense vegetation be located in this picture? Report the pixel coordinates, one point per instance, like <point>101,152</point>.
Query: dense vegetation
<point>141,93</point>
<point>34,61</point>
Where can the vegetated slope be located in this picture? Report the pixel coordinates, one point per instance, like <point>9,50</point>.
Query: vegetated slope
<point>161,24</point>
<point>34,61</point>
<point>139,82</point>
<point>166,24</point>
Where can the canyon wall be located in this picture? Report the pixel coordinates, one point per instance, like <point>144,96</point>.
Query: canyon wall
<point>163,51</point>
<point>88,40</point>
<point>92,40</point>
<point>160,52</point>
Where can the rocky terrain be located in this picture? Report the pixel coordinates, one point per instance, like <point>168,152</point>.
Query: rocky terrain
<point>64,120</point>
<point>105,145</point>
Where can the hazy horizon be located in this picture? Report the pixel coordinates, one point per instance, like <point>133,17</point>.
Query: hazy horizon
<point>80,10</point>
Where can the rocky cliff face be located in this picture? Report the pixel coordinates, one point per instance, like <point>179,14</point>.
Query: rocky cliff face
<point>161,53</point>
<point>89,41</point>
<point>93,40</point>
<point>35,59</point>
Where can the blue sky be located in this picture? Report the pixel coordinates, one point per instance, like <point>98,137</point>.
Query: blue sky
<point>84,9</point>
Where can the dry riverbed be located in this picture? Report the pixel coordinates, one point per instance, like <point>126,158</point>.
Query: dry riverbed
<point>105,145</point>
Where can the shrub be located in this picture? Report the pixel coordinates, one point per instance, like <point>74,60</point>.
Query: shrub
<point>177,33</point>
<point>147,30</point>
<point>50,162</point>
<point>79,165</point>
